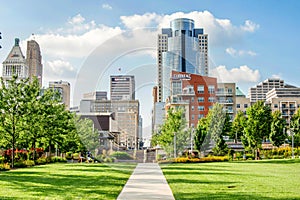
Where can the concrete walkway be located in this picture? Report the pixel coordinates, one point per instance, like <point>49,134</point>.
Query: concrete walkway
<point>146,182</point>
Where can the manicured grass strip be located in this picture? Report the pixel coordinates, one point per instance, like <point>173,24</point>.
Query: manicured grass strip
<point>65,181</point>
<point>277,179</point>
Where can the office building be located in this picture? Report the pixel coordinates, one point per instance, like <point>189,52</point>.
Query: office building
<point>122,87</point>
<point>196,94</point>
<point>34,61</point>
<point>15,64</point>
<point>97,95</point>
<point>181,48</point>
<point>63,88</point>
<point>126,118</point>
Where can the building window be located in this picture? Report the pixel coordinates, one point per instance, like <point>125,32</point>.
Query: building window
<point>210,107</point>
<point>275,105</point>
<point>245,105</point>
<point>200,99</point>
<point>201,108</point>
<point>211,99</point>
<point>193,108</point>
<point>200,89</point>
<point>176,87</point>
<point>200,116</point>
<point>193,117</point>
<point>211,89</point>
<point>192,99</point>
<point>238,105</point>
<point>229,90</point>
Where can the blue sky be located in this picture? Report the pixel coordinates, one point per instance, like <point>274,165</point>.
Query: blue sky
<point>249,41</point>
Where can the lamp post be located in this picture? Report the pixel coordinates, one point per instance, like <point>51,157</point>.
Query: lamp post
<point>192,131</point>
<point>175,145</point>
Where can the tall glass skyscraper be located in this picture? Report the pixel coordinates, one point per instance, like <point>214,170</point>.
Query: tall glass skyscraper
<point>181,48</point>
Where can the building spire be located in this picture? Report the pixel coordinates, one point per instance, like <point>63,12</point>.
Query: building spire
<point>17,41</point>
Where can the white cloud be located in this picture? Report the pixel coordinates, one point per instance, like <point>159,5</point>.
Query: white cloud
<point>241,74</point>
<point>106,6</point>
<point>250,26</point>
<point>78,19</point>
<point>141,21</point>
<point>233,52</point>
<point>59,68</point>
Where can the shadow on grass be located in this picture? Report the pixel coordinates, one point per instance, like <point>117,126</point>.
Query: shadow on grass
<point>272,161</point>
<point>224,195</point>
<point>99,182</point>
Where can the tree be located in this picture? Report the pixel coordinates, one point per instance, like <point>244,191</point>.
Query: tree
<point>12,106</point>
<point>295,127</point>
<point>88,136</point>
<point>238,125</point>
<point>278,134</point>
<point>217,127</point>
<point>200,135</point>
<point>258,125</point>
<point>174,126</point>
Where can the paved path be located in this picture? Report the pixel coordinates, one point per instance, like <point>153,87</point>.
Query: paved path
<point>146,182</point>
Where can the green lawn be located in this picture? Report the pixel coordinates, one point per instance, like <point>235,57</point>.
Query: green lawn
<point>65,181</point>
<point>275,179</point>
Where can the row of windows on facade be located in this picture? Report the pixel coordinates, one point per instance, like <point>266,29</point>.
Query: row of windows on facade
<point>190,88</point>
<point>239,105</point>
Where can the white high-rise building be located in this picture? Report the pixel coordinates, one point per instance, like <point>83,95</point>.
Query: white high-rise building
<point>15,64</point>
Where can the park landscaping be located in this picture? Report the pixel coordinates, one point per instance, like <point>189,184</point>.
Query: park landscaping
<point>265,179</point>
<point>65,181</point>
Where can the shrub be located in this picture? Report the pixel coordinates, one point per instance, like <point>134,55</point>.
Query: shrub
<point>201,160</point>
<point>121,155</point>
<point>29,163</point>
<point>4,167</point>
<point>69,155</point>
<point>20,164</point>
<point>58,159</point>
<point>41,161</point>
<point>76,156</point>
<point>250,156</point>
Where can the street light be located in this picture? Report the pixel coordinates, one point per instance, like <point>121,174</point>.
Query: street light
<point>192,131</point>
<point>175,145</point>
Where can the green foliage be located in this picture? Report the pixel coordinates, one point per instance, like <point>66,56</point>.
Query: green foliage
<point>58,159</point>
<point>295,127</point>
<point>87,136</point>
<point>202,160</point>
<point>121,155</point>
<point>174,126</point>
<point>30,119</point>
<point>278,135</point>
<point>258,124</point>
<point>238,125</point>
<point>218,126</point>
<point>4,166</point>
<point>200,135</point>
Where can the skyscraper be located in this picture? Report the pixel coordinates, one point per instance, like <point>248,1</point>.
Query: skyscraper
<point>122,87</point>
<point>34,61</point>
<point>15,63</point>
<point>181,48</point>
<point>63,88</point>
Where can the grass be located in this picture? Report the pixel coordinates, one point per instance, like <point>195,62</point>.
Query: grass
<point>65,181</point>
<point>274,179</point>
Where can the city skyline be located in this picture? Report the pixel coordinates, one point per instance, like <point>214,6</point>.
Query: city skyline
<point>245,47</point>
